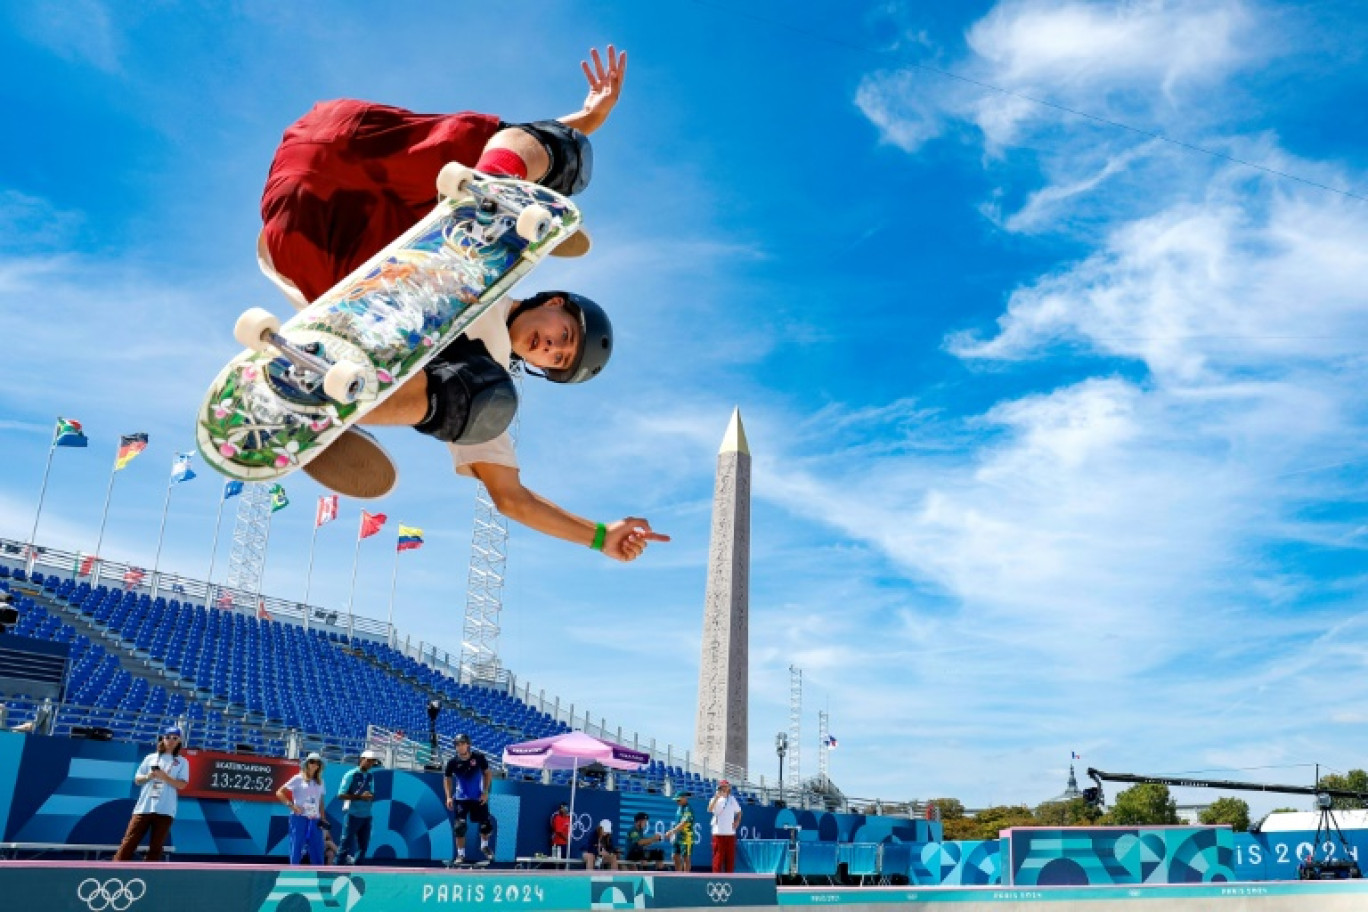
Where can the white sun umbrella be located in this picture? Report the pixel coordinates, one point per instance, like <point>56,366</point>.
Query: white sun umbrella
<point>571,751</point>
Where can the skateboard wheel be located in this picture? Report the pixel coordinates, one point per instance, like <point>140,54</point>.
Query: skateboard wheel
<point>344,382</point>
<point>255,327</point>
<point>534,222</point>
<point>453,179</point>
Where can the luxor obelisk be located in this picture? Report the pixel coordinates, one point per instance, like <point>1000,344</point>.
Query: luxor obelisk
<point>722,730</point>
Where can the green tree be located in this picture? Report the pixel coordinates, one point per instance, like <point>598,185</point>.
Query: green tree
<point>1231,811</point>
<point>1148,803</point>
<point>1071,813</point>
<point>989,821</point>
<point>950,808</point>
<point>1356,781</point>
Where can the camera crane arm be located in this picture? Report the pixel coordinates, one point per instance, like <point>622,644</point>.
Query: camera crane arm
<point>1099,777</point>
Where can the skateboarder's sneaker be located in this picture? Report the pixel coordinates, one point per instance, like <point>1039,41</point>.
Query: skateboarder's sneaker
<point>354,465</point>
<point>576,245</point>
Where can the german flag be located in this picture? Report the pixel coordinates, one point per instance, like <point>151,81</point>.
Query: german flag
<point>130,445</point>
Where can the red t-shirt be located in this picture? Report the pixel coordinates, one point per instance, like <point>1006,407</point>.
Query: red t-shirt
<point>351,176</point>
<point>560,829</point>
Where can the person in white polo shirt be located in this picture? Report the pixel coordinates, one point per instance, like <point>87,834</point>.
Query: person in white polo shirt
<point>726,817</point>
<point>160,776</point>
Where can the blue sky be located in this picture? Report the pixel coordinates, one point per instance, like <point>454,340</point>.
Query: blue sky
<point>1058,428</point>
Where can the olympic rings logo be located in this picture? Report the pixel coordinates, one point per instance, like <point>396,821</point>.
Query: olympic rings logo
<point>719,892</point>
<point>111,894</point>
<point>580,825</point>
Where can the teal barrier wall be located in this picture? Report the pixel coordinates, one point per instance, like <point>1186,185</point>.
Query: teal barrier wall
<point>176,888</point>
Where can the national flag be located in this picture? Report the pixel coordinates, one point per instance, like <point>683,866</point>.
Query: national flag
<point>224,601</point>
<point>180,470</point>
<point>830,742</point>
<point>1075,755</point>
<point>371,523</point>
<point>231,489</point>
<point>130,445</point>
<point>84,564</point>
<point>327,510</point>
<point>132,577</point>
<point>262,613</point>
<point>410,538</point>
<point>278,499</point>
<point>69,434</point>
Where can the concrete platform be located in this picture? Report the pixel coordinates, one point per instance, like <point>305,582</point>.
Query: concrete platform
<point>173,887</point>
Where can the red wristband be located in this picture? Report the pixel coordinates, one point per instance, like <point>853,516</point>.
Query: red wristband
<point>502,162</point>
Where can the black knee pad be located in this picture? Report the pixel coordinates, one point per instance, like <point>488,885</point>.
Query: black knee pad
<point>471,398</point>
<point>572,156</point>
<point>459,826</point>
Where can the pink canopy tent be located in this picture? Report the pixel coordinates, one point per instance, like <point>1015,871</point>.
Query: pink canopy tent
<point>571,751</point>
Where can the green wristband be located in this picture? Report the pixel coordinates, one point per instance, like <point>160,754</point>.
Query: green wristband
<point>600,533</point>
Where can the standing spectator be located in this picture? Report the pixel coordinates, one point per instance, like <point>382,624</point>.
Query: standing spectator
<point>726,817</point>
<point>160,776</point>
<point>638,839</point>
<point>303,795</point>
<point>560,832</point>
<point>682,833</point>
<point>599,850</point>
<point>467,779</point>
<point>357,792</point>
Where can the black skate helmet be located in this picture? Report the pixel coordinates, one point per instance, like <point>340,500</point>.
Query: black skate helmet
<point>596,335</point>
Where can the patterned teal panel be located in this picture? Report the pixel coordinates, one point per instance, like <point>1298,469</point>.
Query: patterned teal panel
<point>1120,855</point>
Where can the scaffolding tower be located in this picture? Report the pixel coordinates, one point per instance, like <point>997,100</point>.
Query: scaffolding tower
<point>485,580</point>
<point>795,752</point>
<point>251,530</point>
<point>823,746</point>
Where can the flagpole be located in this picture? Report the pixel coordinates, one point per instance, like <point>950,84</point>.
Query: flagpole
<point>99,540</point>
<point>42,492</point>
<point>213,555</point>
<point>308,574</point>
<point>156,561</point>
<point>355,559</point>
<point>394,581</point>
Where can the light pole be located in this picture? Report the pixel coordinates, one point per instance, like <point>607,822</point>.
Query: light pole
<point>781,748</point>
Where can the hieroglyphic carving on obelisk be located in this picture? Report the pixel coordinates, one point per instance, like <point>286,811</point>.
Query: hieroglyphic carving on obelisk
<point>722,730</point>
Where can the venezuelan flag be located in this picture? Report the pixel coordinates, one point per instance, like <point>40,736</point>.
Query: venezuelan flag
<point>410,538</point>
<point>130,445</point>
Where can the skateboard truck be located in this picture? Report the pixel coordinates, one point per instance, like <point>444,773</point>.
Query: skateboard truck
<point>532,223</point>
<point>342,382</point>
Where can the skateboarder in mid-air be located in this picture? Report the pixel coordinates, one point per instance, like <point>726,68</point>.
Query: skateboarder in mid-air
<point>351,176</point>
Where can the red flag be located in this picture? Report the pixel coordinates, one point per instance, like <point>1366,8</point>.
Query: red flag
<point>370,524</point>
<point>262,613</point>
<point>87,564</point>
<point>327,510</point>
<point>132,577</point>
<point>224,601</point>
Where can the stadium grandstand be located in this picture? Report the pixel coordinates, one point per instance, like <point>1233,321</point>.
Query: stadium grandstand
<point>250,682</point>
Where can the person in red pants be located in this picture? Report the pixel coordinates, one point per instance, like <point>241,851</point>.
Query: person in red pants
<point>160,776</point>
<point>726,818</point>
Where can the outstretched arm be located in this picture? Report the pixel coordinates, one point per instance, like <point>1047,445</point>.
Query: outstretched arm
<point>605,85</point>
<point>626,539</point>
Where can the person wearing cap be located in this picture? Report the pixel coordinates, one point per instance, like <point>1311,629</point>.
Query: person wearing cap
<point>639,839</point>
<point>303,795</point>
<point>466,779</point>
<point>726,817</point>
<point>160,776</point>
<point>682,833</point>
<point>599,850</point>
<point>351,176</point>
<point>560,831</point>
<point>357,792</point>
